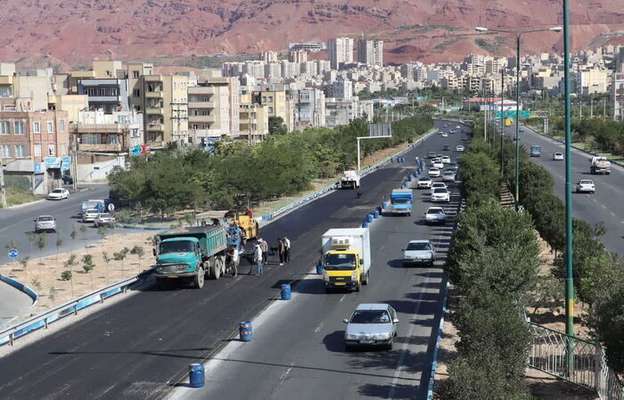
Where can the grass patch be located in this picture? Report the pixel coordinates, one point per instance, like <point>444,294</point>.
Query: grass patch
<point>19,196</point>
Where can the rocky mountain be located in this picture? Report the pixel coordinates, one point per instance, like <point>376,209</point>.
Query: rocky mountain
<point>76,31</point>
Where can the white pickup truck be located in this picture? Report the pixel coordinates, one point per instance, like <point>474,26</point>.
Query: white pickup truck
<point>350,179</point>
<point>600,165</point>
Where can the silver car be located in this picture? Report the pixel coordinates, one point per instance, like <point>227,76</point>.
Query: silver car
<point>373,324</point>
<point>104,219</point>
<point>45,223</point>
<point>89,215</point>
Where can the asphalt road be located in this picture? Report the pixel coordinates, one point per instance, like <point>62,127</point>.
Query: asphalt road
<point>13,303</point>
<point>137,347</point>
<point>605,206</point>
<point>298,350</point>
<point>17,223</point>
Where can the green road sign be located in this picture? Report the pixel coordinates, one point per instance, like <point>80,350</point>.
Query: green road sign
<point>524,114</point>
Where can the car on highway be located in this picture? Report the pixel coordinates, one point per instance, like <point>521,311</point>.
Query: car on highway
<point>371,324</point>
<point>58,194</point>
<point>445,159</point>
<point>419,252</point>
<point>448,176</point>
<point>444,134</point>
<point>453,167</point>
<point>558,156</point>
<point>431,154</point>
<point>437,185</point>
<point>585,186</point>
<point>424,182</point>
<point>446,147</point>
<point>536,150</point>
<point>104,219</point>
<point>437,163</point>
<point>45,223</point>
<point>459,148</point>
<point>458,127</point>
<point>90,214</point>
<point>435,215</point>
<point>433,172</point>
<point>440,195</point>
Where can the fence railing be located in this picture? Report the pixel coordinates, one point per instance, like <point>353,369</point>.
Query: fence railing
<point>588,367</point>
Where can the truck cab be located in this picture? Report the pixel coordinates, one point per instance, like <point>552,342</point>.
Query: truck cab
<point>350,180</point>
<point>346,258</point>
<point>401,202</point>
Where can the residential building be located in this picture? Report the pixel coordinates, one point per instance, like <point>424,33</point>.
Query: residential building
<point>591,81</point>
<point>617,96</point>
<point>34,88</point>
<point>73,104</point>
<point>277,105</point>
<point>135,71</point>
<point>165,109</point>
<point>97,132</point>
<point>298,56</point>
<point>309,108</point>
<point>340,51</point>
<point>108,69</point>
<point>107,94</point>
<point>214,108</point>
<point>341,89</point>
<point>254,122</point>
<point>370,52</point>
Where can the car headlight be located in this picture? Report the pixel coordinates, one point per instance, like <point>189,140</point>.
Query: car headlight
<point>325,275</point>
<point>354,275</point>
<point>382,336</point>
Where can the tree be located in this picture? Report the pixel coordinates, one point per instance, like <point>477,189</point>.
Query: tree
<point>610,328</point>
<point>87,263</point>
<point>277,126</point>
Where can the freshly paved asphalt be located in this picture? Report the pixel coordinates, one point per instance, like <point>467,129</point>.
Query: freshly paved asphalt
<point>17,223</point>
<point>605,206</point>
<point>138,347</point>
<point>298,351</point>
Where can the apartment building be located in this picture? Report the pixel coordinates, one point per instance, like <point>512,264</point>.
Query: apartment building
<point>214,108</point>
<point>254,122</point>
<point>617,96</point>
<point>277,105</point>
<point>106,94</point>
<point>370,52</point>
<point>309,108</point>
<point>340,51</point>
<point>165,109</point>
<point>591,81</point>
<point>135,72</point>
<point>341,89</point>
<point>97,132</point>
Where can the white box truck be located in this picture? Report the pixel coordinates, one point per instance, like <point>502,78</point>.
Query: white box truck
<point>346,258</point>
<point>350,179</point>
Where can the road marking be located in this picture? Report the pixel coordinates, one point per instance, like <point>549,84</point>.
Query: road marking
<point>612,213</point>
<point>603,206</point>
<point>342,298</point>
<point>285,374</point>
<point>318,328</point>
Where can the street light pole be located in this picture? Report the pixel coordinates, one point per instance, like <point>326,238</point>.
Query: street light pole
<point>518,120</point>
<point>3,199</point>
<point>569,287</point>
<point>502,119</point>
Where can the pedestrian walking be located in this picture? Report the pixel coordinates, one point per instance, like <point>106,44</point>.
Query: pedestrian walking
<point>258,260</point>
<point>286,250</point>
<point>281,251</point>
<point>264,245</point>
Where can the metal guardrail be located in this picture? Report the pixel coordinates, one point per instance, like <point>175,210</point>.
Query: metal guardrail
<point>11,334</point>
<point>548,353</point>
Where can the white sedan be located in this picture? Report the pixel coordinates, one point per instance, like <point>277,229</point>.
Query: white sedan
<point>435,215</point>
<point>58,194</point>
<point>444,134</point>
<point>423,183</point>
<point>446,160</point>
<point>440,194</point>
<point>585,186</point>
<point>558,156</point>
<point>434,172</point>
<point>459,148</point>
<point>437,163</point>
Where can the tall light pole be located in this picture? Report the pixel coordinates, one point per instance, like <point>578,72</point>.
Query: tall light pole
<point>502,119</point>
<point>569,287</point>
<point>518,34</point>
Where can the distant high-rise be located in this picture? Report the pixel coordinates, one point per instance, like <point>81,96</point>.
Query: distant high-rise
<point>619,60</point>
<point>370,52</point>
<point>340,51</point>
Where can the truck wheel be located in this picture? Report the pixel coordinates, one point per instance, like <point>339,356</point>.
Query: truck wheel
<point>357,286</point>
<point>199,278</point>
<point>367,278</point>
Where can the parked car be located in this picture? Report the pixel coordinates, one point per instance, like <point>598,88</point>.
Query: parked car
<point>424,183</point>
<point>90,214</point>
<point>440,195</point>
<point>448,176</point>
<point>435,215</point>
<point>558,156</point>
<point>104,219</point>
<point>419,252</point>
<point>45,223</point>
<point>459,148</point>
<point>374,324</point>
<point>433,172</point>
<point>58,194</point>
<point>585,186</point>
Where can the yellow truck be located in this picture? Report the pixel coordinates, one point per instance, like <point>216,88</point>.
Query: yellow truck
<point>346,258</point>
<point>246,221</point>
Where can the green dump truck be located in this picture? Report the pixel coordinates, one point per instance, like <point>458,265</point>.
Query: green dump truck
<point>191,254</point>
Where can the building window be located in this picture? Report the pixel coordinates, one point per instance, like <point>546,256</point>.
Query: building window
<point>19,150</point>
<point>51,149</point>
<point>137,93</point>
<point>5,127</point>
<point>135,74</point>
<point>37,149</point>
<point>36,127</point>
<point>50,127</point>
<point>5,151</point>
<point>19,127</point>
<point>62,125</point>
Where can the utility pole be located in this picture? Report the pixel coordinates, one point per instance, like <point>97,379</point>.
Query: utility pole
<point>518,122</point>
<point>74,158</point>
<point>3,199</point>
<point>502,118</point>
<point>177,114</point>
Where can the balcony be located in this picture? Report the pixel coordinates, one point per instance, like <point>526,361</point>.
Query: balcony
<point>154,110</point>
<point>156,94</point>
<point>201,104</point>
<point>104,99</point>
<point>201,118</point>
<point>104,148</point>
<point>97,128</point>
<point>6,80</point>
<point>155,127</point>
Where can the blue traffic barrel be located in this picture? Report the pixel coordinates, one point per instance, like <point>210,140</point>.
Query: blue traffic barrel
<point>375,213</point>
<point>285,291</point>
<point>369,218</point>
<point>365,224</point>
<point>196,375</point>
<point>246,331</point>
<point>319,268</point>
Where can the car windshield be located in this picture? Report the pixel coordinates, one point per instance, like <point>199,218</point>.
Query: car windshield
<point>438,185</point>
<point>585,182</point>
<point>449,173</point>
<point>339,261</point>
<point>105,215</point>
<point>424,180</point>
<point>57,191</point>
<point>370,317</point>
<point>418,246</point>
<point>92,211</point>
<point>400,201</point>
<point>434,170</point>
<point>435,211</point>
<point>439,190</point>
<point>44,219</point>
<point>176,246</point>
